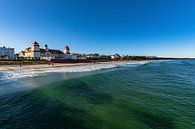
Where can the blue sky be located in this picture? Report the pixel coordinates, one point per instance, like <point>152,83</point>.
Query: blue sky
<point>134,27</point>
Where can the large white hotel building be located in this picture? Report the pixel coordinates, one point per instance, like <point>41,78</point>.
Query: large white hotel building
<point>36,53</point>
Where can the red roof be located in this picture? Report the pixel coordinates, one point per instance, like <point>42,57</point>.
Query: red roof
<point>42,50</point>
<point>52,51</point>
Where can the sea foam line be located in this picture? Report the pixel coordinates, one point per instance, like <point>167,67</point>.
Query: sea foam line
<point>17,74</point>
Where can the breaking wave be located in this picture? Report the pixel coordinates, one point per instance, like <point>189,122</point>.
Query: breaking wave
<point>17,74</point>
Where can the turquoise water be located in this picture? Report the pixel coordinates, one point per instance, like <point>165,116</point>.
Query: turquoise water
<point>157,95</point>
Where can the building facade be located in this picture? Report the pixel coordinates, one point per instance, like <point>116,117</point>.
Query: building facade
<point>36,53</point>
<point>60,56</point>
<point>7,53</point>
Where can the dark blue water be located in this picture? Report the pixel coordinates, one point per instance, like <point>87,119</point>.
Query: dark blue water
<point>157,95</point>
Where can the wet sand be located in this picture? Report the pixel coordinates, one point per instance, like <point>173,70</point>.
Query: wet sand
<point>55,65</point>
<point>39,66</point>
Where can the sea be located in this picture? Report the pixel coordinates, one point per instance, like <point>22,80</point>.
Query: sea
<point>140,95</point>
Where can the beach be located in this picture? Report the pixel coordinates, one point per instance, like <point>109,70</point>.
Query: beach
<point>11,73</point>
<point>59,65</point>
<point>38,66</point>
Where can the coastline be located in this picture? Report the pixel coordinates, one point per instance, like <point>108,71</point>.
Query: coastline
<point>59,65</point>
<point>16,72</point>
<point>37,66</point>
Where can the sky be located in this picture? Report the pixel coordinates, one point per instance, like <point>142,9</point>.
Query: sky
<point>135,27</point>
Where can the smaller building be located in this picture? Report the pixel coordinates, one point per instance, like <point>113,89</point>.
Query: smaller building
<point>115,57</point>
<point>6,53</point>
<point>93,56</point>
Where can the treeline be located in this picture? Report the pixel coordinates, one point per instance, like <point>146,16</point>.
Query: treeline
<point>122,58</point>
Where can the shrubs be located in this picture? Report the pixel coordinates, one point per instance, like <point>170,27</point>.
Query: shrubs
<point>25,62</point>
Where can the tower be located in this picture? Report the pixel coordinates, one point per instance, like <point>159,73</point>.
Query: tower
<point>35,51</point>
<point>46,50</point>
<point>66,50</point>
<point>46,47</point>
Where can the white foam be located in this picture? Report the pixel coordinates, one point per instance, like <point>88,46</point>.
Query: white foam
<point>17,74</point>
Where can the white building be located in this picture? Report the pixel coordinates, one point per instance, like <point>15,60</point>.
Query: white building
<point>6,53</point>
<point>116,56</point>
<point>93,56</point>
<point>37,53</point>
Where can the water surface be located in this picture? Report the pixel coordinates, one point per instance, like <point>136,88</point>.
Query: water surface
<point>157,95</point>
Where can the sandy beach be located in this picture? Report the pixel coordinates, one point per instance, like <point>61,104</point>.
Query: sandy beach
<point>38,66</point>
<point>12,72</point>
<point>56,65</point>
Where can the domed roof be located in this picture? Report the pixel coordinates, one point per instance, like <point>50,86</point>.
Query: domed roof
<point>35,43</point>
<point>66,48</point>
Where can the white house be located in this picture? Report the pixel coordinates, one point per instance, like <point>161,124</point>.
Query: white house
<point>116,56</point>
<point>6,53</point>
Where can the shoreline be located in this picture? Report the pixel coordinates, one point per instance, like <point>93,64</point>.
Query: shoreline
<point>58,65</point>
